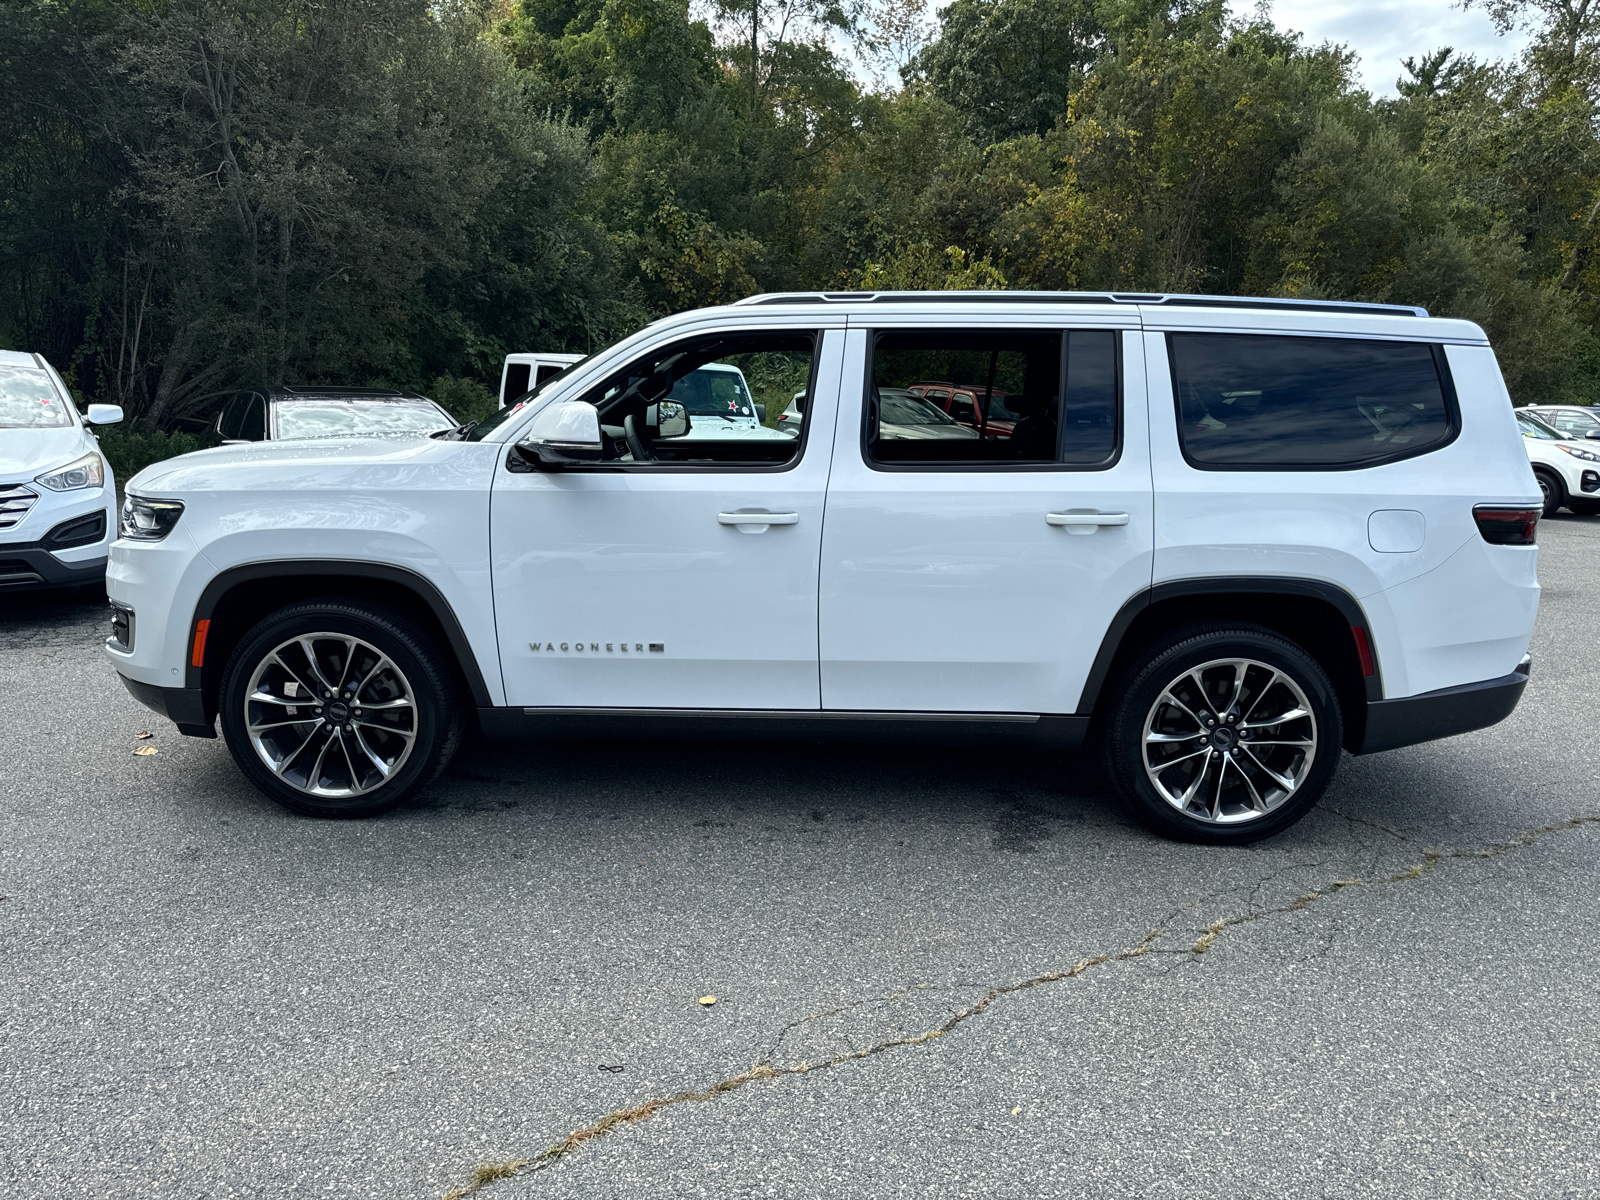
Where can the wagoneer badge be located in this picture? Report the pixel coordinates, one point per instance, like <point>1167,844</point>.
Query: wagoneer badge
<point>599,647</point>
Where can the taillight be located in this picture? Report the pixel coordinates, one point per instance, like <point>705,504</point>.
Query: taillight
<point>1507,524</point>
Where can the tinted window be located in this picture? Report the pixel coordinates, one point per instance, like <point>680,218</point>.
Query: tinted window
<point>516,381</point>
<point>943,396</point>
<point>1254,401</point>
<point>546,371</point>
<point>253,421</point>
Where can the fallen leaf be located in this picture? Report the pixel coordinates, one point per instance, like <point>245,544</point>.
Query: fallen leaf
<point>146,750</point>
<point>1016,1111</point>
<point>139,737</point>
<point>708,1001</point>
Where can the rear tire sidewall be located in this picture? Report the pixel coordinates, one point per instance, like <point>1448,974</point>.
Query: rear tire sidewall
<point>413,653</point>
<point>1136,690</point>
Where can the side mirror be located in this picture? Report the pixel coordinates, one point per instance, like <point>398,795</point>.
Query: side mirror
<point>668,419</point>
<point>1593,433</point>
<point>564,434</point>
<point>761,413</point>
<point>102,414</point>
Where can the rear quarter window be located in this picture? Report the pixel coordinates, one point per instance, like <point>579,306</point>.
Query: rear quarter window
<point>1270,402</point>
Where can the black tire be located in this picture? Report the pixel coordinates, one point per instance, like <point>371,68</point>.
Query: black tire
<point>1149,698</point>
<point>412,719</point>
<point>1555,493</point>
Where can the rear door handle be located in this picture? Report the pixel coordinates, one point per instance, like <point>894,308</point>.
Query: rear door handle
<point>756,522</point>
<point>1080,519</point>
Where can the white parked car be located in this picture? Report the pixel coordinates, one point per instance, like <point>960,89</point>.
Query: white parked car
<point>1567,471</point>
<point>1575,421</point>
<point>1241,537</point>
<point>523,372</point>
<point>58,500</point>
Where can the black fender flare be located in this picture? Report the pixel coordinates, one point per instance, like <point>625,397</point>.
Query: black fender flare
<point>1348,606</point>
<point>227,580</point>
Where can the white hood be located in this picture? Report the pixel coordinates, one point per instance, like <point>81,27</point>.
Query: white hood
<point>25,453</point>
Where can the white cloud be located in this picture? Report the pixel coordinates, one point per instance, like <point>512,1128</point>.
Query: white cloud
<point>1383,32</point>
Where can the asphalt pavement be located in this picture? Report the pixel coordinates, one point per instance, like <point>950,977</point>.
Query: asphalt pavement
<point>938,971</point>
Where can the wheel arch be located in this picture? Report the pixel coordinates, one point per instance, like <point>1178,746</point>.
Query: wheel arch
<point>1319,617</point>
<point>233,604</point>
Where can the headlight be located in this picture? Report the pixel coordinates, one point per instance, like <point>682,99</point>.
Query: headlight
<point>1586,455</point>
<point>149,520</point>
<point>88,471</point>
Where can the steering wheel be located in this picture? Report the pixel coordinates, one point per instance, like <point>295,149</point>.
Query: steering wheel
<point>637,445</point>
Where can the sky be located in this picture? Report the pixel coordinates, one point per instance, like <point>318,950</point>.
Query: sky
<point>1383,32</point>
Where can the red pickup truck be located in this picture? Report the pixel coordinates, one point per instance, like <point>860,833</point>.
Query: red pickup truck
<point>963,402</point>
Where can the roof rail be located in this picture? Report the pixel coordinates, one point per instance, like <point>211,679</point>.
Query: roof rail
<point>1153,298</point>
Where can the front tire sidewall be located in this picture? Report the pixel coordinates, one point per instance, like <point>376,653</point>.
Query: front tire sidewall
<point>1555,494</point>
<point>1137,690</point>
<point>438,723</point>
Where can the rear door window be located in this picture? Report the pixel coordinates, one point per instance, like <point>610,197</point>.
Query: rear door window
<point>1269,402</point>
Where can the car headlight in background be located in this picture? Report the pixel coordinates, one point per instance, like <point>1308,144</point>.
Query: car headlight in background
<point>86,472</point>
<point>149,520</point>
<point>1586,455</point>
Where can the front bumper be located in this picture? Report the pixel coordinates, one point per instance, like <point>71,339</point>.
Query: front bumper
<point>184,707</point>
<point>1444,713</point>
<point>25,565</point>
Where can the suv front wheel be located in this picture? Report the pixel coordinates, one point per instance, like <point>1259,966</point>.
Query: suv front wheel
<point>339,708</point>
<point>1222,734</point>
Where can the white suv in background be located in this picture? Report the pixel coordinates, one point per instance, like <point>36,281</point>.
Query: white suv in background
<point>58,501</point>
<point>1230,537</point>
<point>1566,469</point>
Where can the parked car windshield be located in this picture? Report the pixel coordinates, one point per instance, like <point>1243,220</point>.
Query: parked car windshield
<point>1534,428</point>
<point>28,400</point>
<point>330,417</point>
<point>902,408</point>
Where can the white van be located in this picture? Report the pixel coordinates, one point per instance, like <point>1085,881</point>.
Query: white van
<point>523,372</point>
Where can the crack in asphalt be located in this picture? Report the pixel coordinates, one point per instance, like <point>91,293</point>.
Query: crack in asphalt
<point>488,1173</point>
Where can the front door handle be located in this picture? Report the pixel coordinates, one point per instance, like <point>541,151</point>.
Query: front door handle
<point>1083,521</point>
<point>756,522</point>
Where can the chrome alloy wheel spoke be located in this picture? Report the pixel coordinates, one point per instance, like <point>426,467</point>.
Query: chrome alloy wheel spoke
<point>343,746</point>
<point>1221,773</point>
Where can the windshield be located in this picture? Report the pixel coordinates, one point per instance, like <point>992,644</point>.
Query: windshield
<point>1537,429</point>
<point>715,390</point>
<point>900,408</point>
<point>28,400</point>
<point>496,419</point>
<point>324,418</point>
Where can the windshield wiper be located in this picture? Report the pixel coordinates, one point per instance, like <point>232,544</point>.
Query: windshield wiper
<point>458,434</point>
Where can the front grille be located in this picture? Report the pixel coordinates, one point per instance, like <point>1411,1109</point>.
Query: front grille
<point>15,501</point>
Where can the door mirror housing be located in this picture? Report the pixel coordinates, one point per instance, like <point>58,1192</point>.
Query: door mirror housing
<point>1593,433</point>
<point>564,435</point>
<point>761,413</point>
<point>668,419</point>
<point>102,414</point>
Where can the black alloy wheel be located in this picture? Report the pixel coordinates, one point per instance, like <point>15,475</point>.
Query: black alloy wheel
<point>339,708</point>
<point>1221,734</point>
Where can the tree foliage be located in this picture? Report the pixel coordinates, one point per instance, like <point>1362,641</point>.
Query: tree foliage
<point>201,194</point>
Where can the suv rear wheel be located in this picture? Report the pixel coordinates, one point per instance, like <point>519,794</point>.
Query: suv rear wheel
<point>339,708</point>
<point>1222,734</point>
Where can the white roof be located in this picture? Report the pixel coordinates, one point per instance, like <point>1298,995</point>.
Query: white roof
<point>16,358</point>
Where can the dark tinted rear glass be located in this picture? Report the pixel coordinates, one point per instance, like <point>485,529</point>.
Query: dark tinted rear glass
<point>1261,401</point>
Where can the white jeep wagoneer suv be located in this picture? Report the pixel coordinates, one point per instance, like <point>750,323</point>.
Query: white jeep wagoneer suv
<point>1230,537</point>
